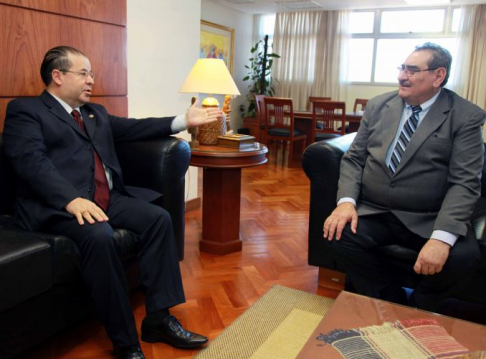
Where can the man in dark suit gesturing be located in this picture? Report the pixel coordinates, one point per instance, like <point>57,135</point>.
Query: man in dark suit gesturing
<point>63,151</point>
<point>411,177</point>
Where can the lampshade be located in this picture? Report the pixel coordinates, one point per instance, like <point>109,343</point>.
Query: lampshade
<point>210,76</point>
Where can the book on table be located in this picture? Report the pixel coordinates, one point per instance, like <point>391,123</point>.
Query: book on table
<point>236,141</point>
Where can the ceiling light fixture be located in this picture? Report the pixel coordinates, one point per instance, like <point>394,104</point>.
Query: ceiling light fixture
<point>299,5</point>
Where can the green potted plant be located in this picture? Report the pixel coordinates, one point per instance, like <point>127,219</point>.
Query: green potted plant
<point>259,75</point>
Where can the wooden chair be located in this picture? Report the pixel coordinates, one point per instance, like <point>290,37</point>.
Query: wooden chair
<point>360,102</point>
<point>315,98</point>
<point>328,119</point>
<point>260,113</point>
<point>280,125</point>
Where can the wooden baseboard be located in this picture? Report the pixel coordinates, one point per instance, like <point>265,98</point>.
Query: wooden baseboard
<point>193,204</point>
<point>332,279</point>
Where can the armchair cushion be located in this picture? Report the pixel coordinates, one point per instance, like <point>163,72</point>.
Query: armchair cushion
<point>284,132</point>
<point>25,268</point>
<point>160,165</point>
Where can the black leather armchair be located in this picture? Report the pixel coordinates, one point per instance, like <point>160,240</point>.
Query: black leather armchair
<point>41,289</point>
<point>321,162</point>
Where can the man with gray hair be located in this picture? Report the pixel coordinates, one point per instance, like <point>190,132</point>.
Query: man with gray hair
<point>411,177</point>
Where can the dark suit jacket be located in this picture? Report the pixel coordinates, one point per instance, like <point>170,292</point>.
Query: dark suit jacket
<point>53,157</point>
<point>437,182</point>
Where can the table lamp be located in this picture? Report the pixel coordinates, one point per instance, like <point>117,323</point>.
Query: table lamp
<point>210,76</point>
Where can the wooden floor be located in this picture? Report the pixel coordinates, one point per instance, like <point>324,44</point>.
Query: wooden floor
<point>274,221</point>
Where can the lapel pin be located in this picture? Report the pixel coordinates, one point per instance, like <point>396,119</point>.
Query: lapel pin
<point>91,116</point>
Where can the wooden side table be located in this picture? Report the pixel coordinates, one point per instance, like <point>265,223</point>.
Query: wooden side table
<point>221,193</point>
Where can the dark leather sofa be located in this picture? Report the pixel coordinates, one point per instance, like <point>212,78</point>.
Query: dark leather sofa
<point>41,289</point>
<point>321,162</point>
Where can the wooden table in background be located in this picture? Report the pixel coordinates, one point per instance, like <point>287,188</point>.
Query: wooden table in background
<point>303,121</point>
<point>221,193</point>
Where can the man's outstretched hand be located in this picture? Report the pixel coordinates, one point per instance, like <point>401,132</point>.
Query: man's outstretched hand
<point>84,209</point>
<point>196,116</point>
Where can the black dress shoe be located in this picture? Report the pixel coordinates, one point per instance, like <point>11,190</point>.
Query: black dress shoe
<point>170,331</point>
<point>131,352</point>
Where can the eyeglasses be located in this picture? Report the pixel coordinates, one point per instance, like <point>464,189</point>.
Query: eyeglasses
<point>410,71</point>
<point>83,74</point>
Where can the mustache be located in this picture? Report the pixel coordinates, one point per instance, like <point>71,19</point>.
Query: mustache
<point>404,83</point>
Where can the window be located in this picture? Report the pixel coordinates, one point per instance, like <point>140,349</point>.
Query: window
<point>265,26</point>
<point>361,22</point>
<point>382,39</point>
<point>361,58</point>
<point>412,21</point>
<point>268,24</point>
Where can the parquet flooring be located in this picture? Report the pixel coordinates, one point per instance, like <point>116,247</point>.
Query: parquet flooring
<point>274,220</point>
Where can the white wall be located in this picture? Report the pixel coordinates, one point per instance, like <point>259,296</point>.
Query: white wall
<point>163,45</point>
<point>243,25</point>
<point>364,91</point>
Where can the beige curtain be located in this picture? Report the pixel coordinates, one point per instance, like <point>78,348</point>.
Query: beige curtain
<point>470,65</point>
<point>313,50</point>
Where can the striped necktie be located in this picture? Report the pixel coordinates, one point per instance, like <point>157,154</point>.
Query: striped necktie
<point>408,130</point>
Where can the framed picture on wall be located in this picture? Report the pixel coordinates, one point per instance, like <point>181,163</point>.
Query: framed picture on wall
<point>217,42</point>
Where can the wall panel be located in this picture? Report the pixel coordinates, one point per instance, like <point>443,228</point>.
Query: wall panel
<point>115,105</point>
<point>29,28</point>
<point>27,35</point>
<point>110,11</point>
<point>3,108</point>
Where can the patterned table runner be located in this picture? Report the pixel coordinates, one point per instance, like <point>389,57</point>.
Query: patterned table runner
<point>413,338</point>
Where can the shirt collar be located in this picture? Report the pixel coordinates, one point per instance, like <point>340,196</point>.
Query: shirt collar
<point>426,105</point>
<point>68,108</point>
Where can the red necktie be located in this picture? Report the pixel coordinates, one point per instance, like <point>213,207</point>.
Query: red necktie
<point>102,190</point>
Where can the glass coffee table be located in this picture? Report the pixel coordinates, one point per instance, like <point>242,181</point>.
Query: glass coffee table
<point>334,335</point>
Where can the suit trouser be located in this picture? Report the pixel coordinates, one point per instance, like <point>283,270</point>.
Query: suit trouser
<point>102,269</point>
<point>370,275</point>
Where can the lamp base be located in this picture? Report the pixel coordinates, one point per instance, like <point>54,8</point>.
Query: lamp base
<point>208,133</point>
<point>193,144</point>
<point>193,131</point>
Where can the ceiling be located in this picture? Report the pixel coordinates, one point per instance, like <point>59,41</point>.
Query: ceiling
<point>274,6</point>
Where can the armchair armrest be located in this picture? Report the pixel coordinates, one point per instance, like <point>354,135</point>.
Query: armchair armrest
<point>160,165</point>
<point>321,163</point>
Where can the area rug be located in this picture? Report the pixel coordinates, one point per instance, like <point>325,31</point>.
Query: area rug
<point>276,326</point>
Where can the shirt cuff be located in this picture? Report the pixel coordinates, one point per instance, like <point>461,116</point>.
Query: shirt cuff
<point>445,237</point>
<point>346,200</point>
<point>178,124</point>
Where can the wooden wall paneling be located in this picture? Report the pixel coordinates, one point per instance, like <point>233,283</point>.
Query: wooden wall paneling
<point>27,34</point>
<point>117,106</point>
<point>105,46</point>
<point>110,11</point>
<point>3,109</point>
